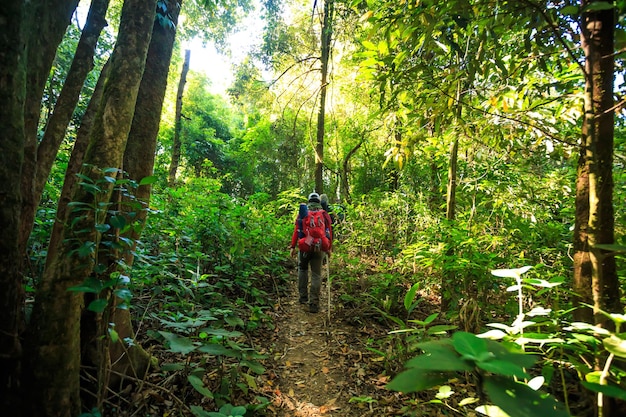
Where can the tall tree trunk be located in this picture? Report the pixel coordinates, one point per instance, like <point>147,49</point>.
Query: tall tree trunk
<point>51,20</point>
<point>13,30</point>
<point>345,185</point>
<point>139,163</point>
<point>597,138</point>
<point>56,127</point>
<point>74,165</point>
<point>55,323</point>
<point>598,130</point>
<point>178,123</point>
<point>327,35</point>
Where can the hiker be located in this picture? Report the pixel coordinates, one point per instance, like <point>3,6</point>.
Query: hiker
<point>312,235</point>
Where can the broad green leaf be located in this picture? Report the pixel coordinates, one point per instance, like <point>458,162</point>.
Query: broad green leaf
<point>221,332</point>
<point>511,273</point>
<point>503,367</point>
<point>118,222</point>
<point>98,306</point>
<point>519,400</point>
<point>414,380</point>
<point>468,344</point>
<point>609,390</point>
<point>468,401</point>
<point>440,329</point>
<point>255,367</point>
<point>178,344</point>
<point>199,386</point>
<point>491,411</point>
<point>101,228</point>
<point>90,285</point>
<point>615,345</point>
<point>439,361</point>
<point>151,179</point>
<point>217,350</point>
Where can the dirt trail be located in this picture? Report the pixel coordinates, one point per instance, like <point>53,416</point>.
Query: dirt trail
<point>319,364</point>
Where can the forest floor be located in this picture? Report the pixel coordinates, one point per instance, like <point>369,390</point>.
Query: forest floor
<point>321,364</point>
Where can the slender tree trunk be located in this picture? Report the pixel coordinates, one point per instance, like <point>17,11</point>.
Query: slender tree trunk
<point>451,195</point>
<point>582,283</point>
<point>55,323</point>
<point>345,185</point>
<point>51,20</point>
<point>13,30</point>
<point>74,165</point>
<point>327,35</point>
<point>56,127</point>
<point>139,163</point>
<point>178,124</point>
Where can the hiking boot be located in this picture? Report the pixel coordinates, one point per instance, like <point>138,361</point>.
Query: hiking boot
<point>313,308</point>
<point>303,300</point>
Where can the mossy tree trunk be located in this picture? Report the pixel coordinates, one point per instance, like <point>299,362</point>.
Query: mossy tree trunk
<point>54,333</point>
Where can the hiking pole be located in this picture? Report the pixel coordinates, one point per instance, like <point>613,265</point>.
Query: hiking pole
<point>327,271</point>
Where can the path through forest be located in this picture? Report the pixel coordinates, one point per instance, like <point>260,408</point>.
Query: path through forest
<point>321,365</point>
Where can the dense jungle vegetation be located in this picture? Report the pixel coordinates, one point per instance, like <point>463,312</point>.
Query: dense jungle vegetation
<point>473,152</point>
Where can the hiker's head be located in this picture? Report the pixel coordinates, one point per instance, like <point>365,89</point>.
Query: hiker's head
<point>314,198</point>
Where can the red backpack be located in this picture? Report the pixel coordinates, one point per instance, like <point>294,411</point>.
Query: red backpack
<point>314,228</point>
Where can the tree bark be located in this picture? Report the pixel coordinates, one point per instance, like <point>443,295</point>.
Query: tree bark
<point>55,323</point>
<point>13,30</point>
<point>56,127</point>
<point>176,145</point>
<point>52,18</point>
<point>597,135</point>
<point>139,163</point>
<point>327,35</point>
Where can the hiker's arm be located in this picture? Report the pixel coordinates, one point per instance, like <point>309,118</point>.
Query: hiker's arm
<point>294,240</point>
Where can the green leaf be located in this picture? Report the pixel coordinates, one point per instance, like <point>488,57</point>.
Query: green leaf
<point>221,332</point>
<point>98,306</point>
<point>615,345</point>
<point>511,273</point>
<point>519,400</point>
<point>118,222</point>
<point>255,367</point>
<point>216,350</point>
<point>151,179</point>
<point>469,345</point>
<point>101,228</point>
<point>199,411</point>
<point>199,386</point>
<point>610,390</point>
<point>410,295</point>
<point>502,367</point>
<point>413,380</point>
<point>178,344</point>
<point>445,359</point>
<point>90,285</point>
<point>86,249</point>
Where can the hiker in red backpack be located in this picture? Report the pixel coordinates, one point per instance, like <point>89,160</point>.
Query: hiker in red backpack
<point>313,236</point>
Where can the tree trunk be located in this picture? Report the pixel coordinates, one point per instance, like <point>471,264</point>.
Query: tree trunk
<point>13,30</point>
<point>177,126</point>
<point>56,127</point>
<point>139,163</point>
<point>74,165</point>
<point>598,131</point>
<point>51,18</point>
<point>582,284</point>
<point>327,35</point>
<point>597,138</point>
<point>345,185</point>
<point>55,323</point>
